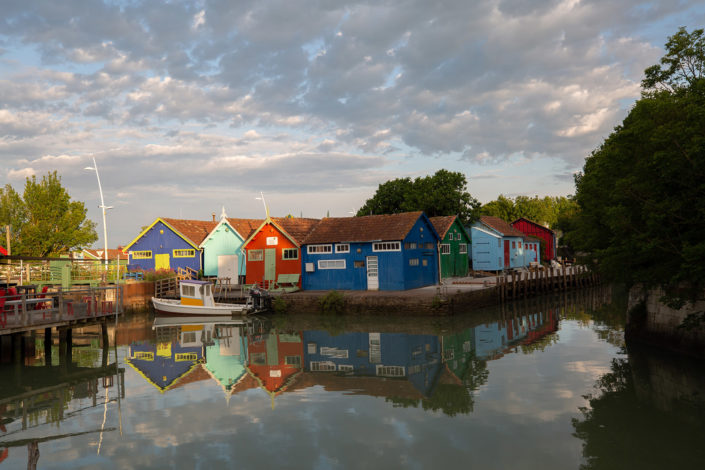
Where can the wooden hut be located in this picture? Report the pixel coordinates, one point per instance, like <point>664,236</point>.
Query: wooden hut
<point>496,245</point>
<point>169,244</point>
<point>273,250</point>
<point>375,252</point>
<point>533,229</point>
<point>453,248</point>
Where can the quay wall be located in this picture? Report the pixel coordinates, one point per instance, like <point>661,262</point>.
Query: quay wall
<point>136,295</point>
<point>652,322</point>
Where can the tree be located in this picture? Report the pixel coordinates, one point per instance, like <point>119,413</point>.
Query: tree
<point>45,221</point>
<point>444,193</point>
<point>681,67</point>
<point>641,193</point>
<point>546,210</point>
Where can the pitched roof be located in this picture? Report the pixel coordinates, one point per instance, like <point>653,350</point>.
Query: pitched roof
<point>501,226</point>
<point>442,223</point>
<point>363,229</point>
<point>194,230</point>
<point>245,227</point>
<point>297,228</point>
<point>538,225</point>
<point>98,253</point>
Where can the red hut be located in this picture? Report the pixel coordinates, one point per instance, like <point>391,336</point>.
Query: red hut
<point>545,234</point>
<point>274,250</point>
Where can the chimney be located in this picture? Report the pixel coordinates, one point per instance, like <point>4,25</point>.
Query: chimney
<point>213,214</point>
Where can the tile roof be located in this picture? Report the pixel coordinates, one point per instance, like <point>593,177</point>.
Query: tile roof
<point>442,224</point>
<point>297,228</point>
<point>113,253</point>
<point>501,226</point>
<point>363,229</point>
<point>245,227</point>
<point>194,230</point>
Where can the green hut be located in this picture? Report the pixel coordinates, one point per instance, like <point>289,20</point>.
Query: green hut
<point>453,247</point>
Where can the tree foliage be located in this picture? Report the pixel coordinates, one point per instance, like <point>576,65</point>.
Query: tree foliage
<point>682,66</point>
<point>546,210</point>
<point>641,193</point>
<point>44,221</point>
<point>444,193</point>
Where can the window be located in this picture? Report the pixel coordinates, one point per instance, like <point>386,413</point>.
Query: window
<point>311,348</point>
<point>410,246</point>
<point>141,255</point>
<point>331,264</point>
<point>292,361</point>
<point>519,245</point>
<point>186,357</point>
<point>318,249</point>
<point>144,355</point>
<point>428,246</point>
<point>334,352</point>
<point>258,359</point>
<point>255,255</point>
<point>359,264</point>
<point>499,243</point>
<point>514,244</point>
<point>345,368</point>
<point>290,253</point>
<point>184,253</point>
<point>413,262</point>
<point>322,366</point>
<point>188,291</point>
<point>386,246</point>
<point>188,337</point>
<point>424,262</point>
<point>390,371</point>
<point>463,248</point>
<point>342,248</point>
<point>445,248</point>
<point>449,354</point>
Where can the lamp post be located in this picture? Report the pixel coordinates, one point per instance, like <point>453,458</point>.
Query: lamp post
<point>104,208</point>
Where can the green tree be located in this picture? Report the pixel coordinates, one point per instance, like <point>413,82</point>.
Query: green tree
<point>444,193</point>
<point>641,194</point>
<point>45,221</point>
<point>545,210</point>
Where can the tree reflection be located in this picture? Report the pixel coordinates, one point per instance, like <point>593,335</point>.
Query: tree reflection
<point>633,421</point>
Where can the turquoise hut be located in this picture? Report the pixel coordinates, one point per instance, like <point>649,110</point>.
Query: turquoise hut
<point>222,247</point>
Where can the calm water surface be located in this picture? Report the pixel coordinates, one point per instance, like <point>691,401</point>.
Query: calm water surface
<point>543,384</point>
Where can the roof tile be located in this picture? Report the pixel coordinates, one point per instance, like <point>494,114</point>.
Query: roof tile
<point>363,229</point>
<point>501,226</point>
<point>194,230</point>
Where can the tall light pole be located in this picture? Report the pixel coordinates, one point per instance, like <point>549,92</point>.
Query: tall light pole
<point>104,208</point>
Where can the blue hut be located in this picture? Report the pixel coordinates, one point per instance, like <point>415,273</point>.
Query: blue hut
<point>169,244</point>
<point>376,252</point>
<point>416,358</point>
<point>496,245</point>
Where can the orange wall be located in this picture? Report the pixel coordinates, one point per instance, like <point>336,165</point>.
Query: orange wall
<point>255,269</point>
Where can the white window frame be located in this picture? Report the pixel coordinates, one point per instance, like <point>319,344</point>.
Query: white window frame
<point>410,245</point>
<point>346,368</point>
<point>251,255</point>
<point>290,250</point>
<point>463,248</point>
<point>322,366</point>
<point>332,264</point>
<point>445,248</point>
<point>386,246</point>
<point>390,371</point>
<point>319,249</point>
<point>342,248</point>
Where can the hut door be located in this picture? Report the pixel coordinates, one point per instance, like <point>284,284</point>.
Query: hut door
<point>372,273</point>
<point>227,267</point>
<point>506,253</point>
<point>161,262</point>
<point>270,264</point>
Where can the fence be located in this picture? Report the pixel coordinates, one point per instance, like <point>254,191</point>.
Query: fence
<point>61,272</point>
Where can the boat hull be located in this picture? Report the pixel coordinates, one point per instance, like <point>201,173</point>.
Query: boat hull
<point>174,307</point>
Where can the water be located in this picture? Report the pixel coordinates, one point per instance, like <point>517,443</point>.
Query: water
<point>542,384</point>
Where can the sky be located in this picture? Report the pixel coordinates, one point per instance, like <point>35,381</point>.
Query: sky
<point>191,106</point>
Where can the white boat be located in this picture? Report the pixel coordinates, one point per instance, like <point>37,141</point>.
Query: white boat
<point>197,300</point>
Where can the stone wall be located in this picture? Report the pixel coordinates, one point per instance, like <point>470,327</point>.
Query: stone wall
<point>650,321</point>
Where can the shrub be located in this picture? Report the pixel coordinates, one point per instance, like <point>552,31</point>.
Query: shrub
<point>333,303</point>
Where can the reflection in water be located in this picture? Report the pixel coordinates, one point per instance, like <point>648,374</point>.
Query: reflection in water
<point>647,412</point>
<point>333,391</point>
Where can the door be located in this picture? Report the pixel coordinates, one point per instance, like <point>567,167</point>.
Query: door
<point>270,264</point>
<point>506,253</point>
<point>372,273</point>
<point>161,262</point>
<point>227,267</point>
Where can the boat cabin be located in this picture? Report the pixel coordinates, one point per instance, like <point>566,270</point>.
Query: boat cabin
<point>196,293</point>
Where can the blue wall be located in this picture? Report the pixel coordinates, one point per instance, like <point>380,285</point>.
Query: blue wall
<point>420,355</point>
<point>394,270</point>
<point>487,255</point>
<point>163,243</point>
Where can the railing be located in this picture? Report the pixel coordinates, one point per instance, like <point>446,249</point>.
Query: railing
<point>168,287</point>
<point>61,272</point>
<point>186,273</point>
<point>37,309</point>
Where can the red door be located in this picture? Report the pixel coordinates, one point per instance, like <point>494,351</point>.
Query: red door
<point>506,253</point>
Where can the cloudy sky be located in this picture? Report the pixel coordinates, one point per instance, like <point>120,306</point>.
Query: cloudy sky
<point>190,106</point>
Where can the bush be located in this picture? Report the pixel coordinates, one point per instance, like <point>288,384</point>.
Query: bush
<point>152,275</point>
<point>333,303</point>
<point>279,306</point>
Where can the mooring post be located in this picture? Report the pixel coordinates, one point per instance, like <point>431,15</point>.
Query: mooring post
<point>104,331</point>
<point>47,346</point>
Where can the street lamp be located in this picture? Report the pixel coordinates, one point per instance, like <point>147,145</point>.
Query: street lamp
<point>102,206</point>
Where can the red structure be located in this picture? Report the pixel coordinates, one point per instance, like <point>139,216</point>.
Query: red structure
<point>275,359</point>
<point>3,252</point>
<point>532,229</point>
<point>274,249</point>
